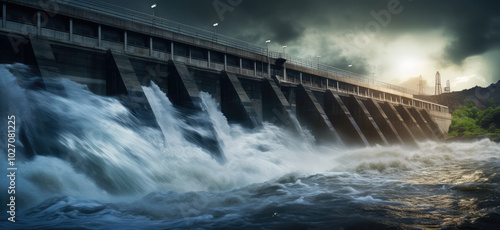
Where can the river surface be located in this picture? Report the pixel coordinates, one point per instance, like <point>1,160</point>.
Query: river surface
<point>87,162</point>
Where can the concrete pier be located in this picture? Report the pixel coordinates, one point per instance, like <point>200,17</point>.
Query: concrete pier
<point>275,107</point>
<point>183,92</point>
<point>422,123</point>
<point>383,122</point>
<point>412,123</point>
<point>342,119</point>
<point>182,89</point>
<point>399,124</point>
<point>124,78</point>
<point>235,103</point>
<point>46,62</point>
<point>311,115</point>
<point>433,125</point>
<point>365,121</point>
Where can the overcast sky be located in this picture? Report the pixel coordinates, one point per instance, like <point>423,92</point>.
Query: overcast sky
<point>389,40</point>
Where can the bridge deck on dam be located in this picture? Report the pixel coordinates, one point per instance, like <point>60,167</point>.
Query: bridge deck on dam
<point>114,54</point>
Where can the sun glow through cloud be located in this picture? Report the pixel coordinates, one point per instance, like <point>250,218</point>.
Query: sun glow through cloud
<point>408,66</point>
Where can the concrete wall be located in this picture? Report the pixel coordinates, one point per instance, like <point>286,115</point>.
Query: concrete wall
<point>89,66</point>
<point>312,76</point>
<point>87,60</point>
<point>442,119</point>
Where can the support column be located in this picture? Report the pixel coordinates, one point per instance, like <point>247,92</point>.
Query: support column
<point>383,95</point>
<point>327,83</point>
<point>208,59</point>
<point>399,124</point>
<point>422,123</point>
<point>125,41</point>
<point>241,65</point>
<point>342,120</point>
<point>383,122</point>
<point>4,13</point>
<point>172,50</point>
<point>300,74</point>
<point>434,126</point>
<point>183,92</point>
<point>70,29</point>
<point>411,123</point>
<point>338,86</point>
<point>99,36</point>
<point>125,75</point>
<point>235,103</point>
<point>225,62</point>
<point>311,114</point>
<point>357,90</point>
<point>38,23</point>
<point>268,68</point>
<point>254,68</point>
<point>284,71</point>
<point>189,61</point>
<point>365,121</point>
<point>275,107</point>
<point>44,55</point>
<point>150,46</point>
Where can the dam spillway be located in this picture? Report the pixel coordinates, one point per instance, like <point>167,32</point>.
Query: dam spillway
<point>117,53</point>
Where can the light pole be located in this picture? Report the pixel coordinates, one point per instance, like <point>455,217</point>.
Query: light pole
<point>318,60</point>
<point>153,7</point>
<point>215,31</point>
<point>268,61</point>
<point>284,64</point>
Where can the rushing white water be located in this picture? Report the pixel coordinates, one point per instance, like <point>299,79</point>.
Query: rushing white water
<point>80,153</point>
<point>99,139</point>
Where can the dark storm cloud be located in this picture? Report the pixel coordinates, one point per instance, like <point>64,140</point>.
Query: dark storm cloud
<point>475,36</point>
<point>473,26</point>
<point>286,31</point>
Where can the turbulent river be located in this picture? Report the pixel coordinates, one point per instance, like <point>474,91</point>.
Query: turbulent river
<point>86,161</point>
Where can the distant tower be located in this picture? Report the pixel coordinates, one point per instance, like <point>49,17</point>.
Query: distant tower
<point>437,89</point>
<point>420,85</point>
<point>447,88</point>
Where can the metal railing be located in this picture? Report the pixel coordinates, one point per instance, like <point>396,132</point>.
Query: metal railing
<point>161,23</point>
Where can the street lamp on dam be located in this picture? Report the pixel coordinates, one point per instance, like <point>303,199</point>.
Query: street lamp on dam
<point>215,31</point>
<point>153,7</point>
<point>268,61</point>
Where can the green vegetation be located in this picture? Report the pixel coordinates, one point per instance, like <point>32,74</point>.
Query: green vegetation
<point>470,122</point>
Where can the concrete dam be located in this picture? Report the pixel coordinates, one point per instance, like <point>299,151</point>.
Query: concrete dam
<point>116,52</point>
